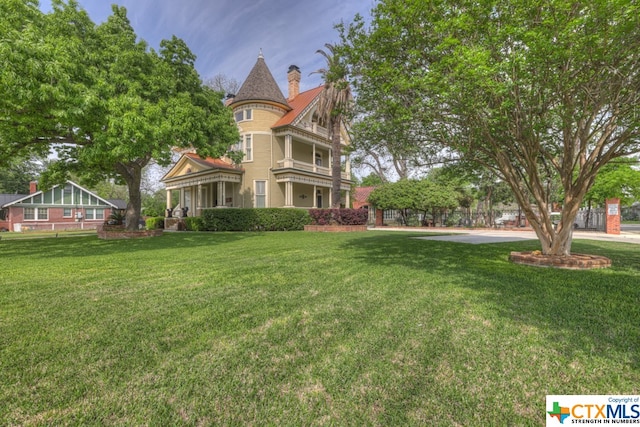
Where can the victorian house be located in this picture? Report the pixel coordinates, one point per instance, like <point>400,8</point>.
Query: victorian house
<point>287,153</point>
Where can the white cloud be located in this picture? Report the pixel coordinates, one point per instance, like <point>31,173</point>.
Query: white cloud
<point>226,35</point>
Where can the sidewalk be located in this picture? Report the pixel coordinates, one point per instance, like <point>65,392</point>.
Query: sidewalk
<point>486,235</point>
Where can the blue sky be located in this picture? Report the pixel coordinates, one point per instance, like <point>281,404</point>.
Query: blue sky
<point>227,35</point>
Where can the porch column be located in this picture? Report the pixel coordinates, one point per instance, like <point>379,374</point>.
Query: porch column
<point>313,157</point>
<point>347,167</point>
<point>288,194</point>
<point>346,198</point>
<point>221,193</point>
<point>199,199</point>
<point>288,151</point>
<point>315,190</point>
<point>169,200</point>
<point>181,197</point>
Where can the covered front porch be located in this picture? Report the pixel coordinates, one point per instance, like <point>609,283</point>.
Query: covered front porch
<point>195,184</point>
<point>301,191</point>
<point>190,200</point>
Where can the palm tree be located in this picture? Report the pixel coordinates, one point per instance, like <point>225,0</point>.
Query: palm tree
<point>334,103</point>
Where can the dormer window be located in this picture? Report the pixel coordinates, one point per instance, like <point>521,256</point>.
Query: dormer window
<point>242,115</point>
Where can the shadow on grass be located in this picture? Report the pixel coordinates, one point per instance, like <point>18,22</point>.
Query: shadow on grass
<point>594,312</point>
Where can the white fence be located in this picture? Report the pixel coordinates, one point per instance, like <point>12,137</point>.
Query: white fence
<point>55,226</point>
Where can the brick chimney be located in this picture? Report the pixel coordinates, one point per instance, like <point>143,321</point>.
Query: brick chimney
<point>33,187</point>
<point>293,75</point>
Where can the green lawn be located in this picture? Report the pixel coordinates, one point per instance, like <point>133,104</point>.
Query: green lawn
<point>306,329</point>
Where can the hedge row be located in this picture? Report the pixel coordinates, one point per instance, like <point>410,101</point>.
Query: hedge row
<point>242,219</point>
<point>339,216</point>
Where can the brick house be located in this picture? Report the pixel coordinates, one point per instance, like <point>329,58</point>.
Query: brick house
<point>62,207</point>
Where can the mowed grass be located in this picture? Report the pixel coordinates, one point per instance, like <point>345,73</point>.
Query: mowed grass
<point>306,329</point>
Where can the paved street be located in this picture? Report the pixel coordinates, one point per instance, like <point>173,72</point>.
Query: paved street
<point>630,228</point>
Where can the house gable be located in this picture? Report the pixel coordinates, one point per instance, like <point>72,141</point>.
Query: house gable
<point>191,163</point>
<point>303,107</point>
<point>70,195</point>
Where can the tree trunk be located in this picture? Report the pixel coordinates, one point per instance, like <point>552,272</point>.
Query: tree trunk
<point>132,174</point>
<point>336,167</point>
<point>554,239</point>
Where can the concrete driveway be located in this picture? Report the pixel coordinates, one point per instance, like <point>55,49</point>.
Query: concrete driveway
<point>482,236</point>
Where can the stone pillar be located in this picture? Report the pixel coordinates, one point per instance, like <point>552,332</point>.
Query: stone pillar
<point>379,217</point>
<point>612,218</point>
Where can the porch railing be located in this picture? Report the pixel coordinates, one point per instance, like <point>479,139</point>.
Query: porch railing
<point>309,167</point>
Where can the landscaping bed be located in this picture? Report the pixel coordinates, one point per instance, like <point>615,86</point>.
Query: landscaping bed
<point>335,228</point>
<point>573,261</point>
<point>110,232</point>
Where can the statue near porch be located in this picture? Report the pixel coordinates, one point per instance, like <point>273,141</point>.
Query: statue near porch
<point>184,211</point>
<point>169,213</point>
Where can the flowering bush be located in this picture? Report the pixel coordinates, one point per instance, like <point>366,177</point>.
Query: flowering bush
<point>339,216</point>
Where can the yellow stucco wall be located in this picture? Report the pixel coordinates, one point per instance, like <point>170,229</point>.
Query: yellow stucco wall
<point>259,127</point>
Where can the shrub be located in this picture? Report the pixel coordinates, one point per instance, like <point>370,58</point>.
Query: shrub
<point>193,223</point>
<point>320,216</point>
<point>278,219</point>
<point>263,219</point>
<point>116,218</point>
<point>339,216</point>
<point>154,222</point>
<point>351,216</point>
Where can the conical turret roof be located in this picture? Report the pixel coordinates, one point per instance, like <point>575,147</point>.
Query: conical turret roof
<point>260,86</point>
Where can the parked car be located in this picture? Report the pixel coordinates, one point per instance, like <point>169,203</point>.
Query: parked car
<point>506,218</point>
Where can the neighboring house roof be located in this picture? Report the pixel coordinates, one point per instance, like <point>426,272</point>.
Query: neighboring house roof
<point>7,199</point>
<point>26,196</point>
<point>118,203</point>
<point>299,106</point>
<point>260,86</point>
<point>361,194</point>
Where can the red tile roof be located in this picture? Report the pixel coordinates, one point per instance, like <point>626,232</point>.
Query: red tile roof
<point>361,194</point>
<point>298,105</point>
<point>211,162</point>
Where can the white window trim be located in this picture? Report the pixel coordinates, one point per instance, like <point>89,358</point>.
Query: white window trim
<point>70,213</point>
<point>244,115</point>
<point>242,146</point>
<point>248,153</point>
<point>36,214</point>
<point>255,192</point>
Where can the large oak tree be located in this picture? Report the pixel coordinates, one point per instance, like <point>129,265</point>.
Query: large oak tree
<point>538,90</point>
<point>102,99</point>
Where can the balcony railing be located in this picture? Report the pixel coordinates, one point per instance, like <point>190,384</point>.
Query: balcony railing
<point>309,167</point>
<point>315,128</point>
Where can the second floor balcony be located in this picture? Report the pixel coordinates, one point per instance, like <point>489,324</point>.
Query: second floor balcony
<point>298,165</point>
